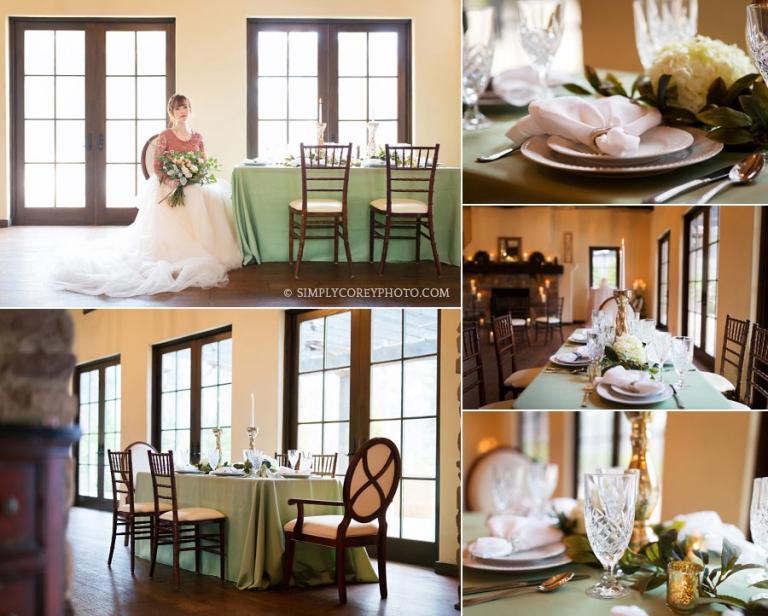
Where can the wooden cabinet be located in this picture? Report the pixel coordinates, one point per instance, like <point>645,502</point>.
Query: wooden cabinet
<point>33,513</point>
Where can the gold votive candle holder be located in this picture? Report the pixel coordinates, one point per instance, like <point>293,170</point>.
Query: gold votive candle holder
<point>683,583</point>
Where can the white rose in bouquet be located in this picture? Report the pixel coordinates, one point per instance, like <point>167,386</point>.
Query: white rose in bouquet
<point>630,349</point>
<point>695,64</point>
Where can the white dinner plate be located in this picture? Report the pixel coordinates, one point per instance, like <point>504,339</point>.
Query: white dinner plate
<point>296,475</point>
<point>577,339</point>
<point>548,563</point>
<point>633,394</point>
<point>545,551</point>
<point>654,143</point>
<point>569,364</point>
<point>703,148</point>
<point>189,472</point>
<point>605,392</point>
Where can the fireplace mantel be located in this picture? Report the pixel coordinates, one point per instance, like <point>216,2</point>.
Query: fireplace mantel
<point>512,268</point>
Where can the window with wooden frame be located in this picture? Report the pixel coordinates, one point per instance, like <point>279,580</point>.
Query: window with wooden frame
<point>85,96</point>
<point>359,69</point>
<point>355,374</point>
<point>604,262</point>
<point>97,387</point>
<point>192,394</point>
<point>662,284</point>
<point>534,435</point>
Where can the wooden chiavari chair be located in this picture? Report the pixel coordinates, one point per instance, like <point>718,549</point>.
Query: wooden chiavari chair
<point>369,487</point>
<point>757,374</point>
<point>551,320</point>
<point>178,527</point>
<point>325,464</point>
<point>511,380</point>
<point>281,459</point>
<point>410,171</point>
<point>472,371</point>
<point>324,173</point>
<point>734,351</point>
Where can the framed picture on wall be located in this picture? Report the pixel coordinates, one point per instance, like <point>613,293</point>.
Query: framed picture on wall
<point>568,247</point>
<point>510,248</point>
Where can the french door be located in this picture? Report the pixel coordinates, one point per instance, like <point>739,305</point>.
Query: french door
<point>85,97</point>
<point>359,374</point>
<point>97,387</point>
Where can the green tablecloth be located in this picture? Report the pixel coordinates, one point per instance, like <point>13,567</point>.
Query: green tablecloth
<point>515,179</point>
<point>260,198</point>
<point>571,599</point>
<point>565,391</point>
<point>256,511</point>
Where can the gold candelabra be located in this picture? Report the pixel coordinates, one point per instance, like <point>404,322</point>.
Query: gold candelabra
<point>648,483</point>
<point>622,298</point>
<point>253,432</point>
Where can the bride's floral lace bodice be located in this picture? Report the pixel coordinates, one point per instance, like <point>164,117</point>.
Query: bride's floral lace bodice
<point>167,140</point>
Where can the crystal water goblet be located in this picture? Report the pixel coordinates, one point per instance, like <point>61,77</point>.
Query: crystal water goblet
<point>293,458</point>
<point>609,515</point>
<point>479,40</point>
<point>661,343</point>
<point>506,487</point>
<point>757,37</point>
<point>659,22</point>
<point>682,358</point>
<point>758,526</point>
<point>541,24</point>
<point>541,479</point>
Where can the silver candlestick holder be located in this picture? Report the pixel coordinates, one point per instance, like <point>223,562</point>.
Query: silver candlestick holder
<point>253,432</point>
<point>219,454</point>
<point>370,149</point>
<point>321,126</point>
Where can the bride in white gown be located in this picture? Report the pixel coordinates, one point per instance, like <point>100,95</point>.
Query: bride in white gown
<point>166,249</point>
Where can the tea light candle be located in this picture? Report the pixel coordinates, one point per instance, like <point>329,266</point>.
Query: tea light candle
<point>546,283</point>
<point>525,256</point>
<point>683,582</point>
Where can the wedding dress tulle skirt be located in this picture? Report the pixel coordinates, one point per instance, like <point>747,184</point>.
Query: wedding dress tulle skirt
<point>165,249</point>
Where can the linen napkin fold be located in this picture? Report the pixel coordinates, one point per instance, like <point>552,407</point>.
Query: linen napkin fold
<point>635,381</point>
<point>709,526</point>
<point>612,125</point>
<point>573,356</point>
<point>491,547</point>
<point>519,86</point>
<point>524,533</point>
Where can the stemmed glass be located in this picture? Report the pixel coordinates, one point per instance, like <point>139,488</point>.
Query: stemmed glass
<point>682,358</point>
<point>293,458</point>
<point>661,343</point>
<point>595,345</point>
<point>479,40</point>
<point>757,36</point>
<point>541,24</point>
<point>507,487</point>
<point>659,22</point>
<point>609,514</point>
<point>542,481</point>
<point>758,523</point>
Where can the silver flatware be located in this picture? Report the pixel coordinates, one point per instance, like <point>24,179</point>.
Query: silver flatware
<point>515,585</point>
<point>663,197</point>
<point>743,172</point>
<point>549,585</point>
<point>489,158</point>
<point>679,403</point>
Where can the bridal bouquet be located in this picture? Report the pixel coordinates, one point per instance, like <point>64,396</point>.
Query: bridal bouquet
<point>184,168</point>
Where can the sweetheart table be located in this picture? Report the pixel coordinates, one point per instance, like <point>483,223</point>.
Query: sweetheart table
<point>256,511</point>
<point>260,198</point>
<point>565,390</point>
<point>570,599</point>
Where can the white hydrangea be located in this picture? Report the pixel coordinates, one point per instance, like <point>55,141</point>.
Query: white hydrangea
<point>695,64</point>
<point>630,349</point>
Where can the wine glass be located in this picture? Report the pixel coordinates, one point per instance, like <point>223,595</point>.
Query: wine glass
<point>646,329</point>
<point>293,458</point>
<point>542,481</point>
<point>758,523</point>
<point>757,36</point>
<point>479,40</point>
<point>661,343</point>
<point>659,22</point>
<point>682,357</point>
<point>609,514</point>
<point>541,24</point>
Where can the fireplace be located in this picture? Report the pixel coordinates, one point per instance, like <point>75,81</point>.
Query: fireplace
<point>510,300</point>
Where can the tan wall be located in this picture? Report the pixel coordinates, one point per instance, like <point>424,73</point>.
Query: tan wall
<point>542,229</point>
<point>211,61</point>
<point>609,37</point>
<point>484,430</point>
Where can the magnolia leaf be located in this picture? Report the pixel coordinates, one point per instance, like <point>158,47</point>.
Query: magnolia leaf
<point>592,77</point>
<point>739,87</point>
<point>619,87</point>
<point>679,115</point>
<point>729,555</point>
<point>762,584</point>
<point>731,136</point>
<point>761,91</point>
<point>577,89</point>
<point>717,92</point>
<point>725,117</point>
<point>756,108</point>
<point>661,90</point>
<point>642,78</point>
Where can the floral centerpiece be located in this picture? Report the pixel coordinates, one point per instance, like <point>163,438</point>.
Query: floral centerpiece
<point>700,83</point>
<point>627,351</point>
<point>181,169</point>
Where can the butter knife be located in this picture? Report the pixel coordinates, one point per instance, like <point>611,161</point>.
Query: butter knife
<point>680,405</point>
<point>663,197</point>
<point>496,587</point>
<point>489,158</point>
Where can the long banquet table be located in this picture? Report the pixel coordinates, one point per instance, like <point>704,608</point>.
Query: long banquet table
<point>571,599</point>
<point>565,390</point>
<point>256,511</point>
<point>260,198</point>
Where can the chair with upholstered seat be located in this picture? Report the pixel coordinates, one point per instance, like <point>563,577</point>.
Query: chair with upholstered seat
<point>551,320</point>
<point>179,527</point>
<point>136,519</point>
<point>734,351</point>
<point>479,483</point>
<point>473,377</point>
<point>410,171</point>
<point>323,203</point>
<point>511,380</point>
<point>369,487</point>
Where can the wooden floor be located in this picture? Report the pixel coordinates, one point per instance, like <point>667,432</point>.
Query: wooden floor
<point>100,590</point>
<point>27,254</point>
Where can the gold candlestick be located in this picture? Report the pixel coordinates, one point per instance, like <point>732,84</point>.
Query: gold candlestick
<point>622,298</point>
<point>219,454</point>
<point>253,432</point>
<point>647,484</point>
<point>321,133</point>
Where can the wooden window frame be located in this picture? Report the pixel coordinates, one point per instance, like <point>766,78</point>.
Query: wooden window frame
<point>617,249</point>
<point>328,69</point>
<point>615,445</point>
<point>94,212</point>
<point>93,502</point>
<point>404,550</point>
<point>664,239</point>
<point>194,342</point>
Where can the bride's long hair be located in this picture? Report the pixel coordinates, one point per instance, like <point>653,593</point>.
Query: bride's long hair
<point>176,100</point>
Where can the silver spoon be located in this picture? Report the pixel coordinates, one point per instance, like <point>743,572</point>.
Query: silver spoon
<point>549,585</point>
<point>742,172</point>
